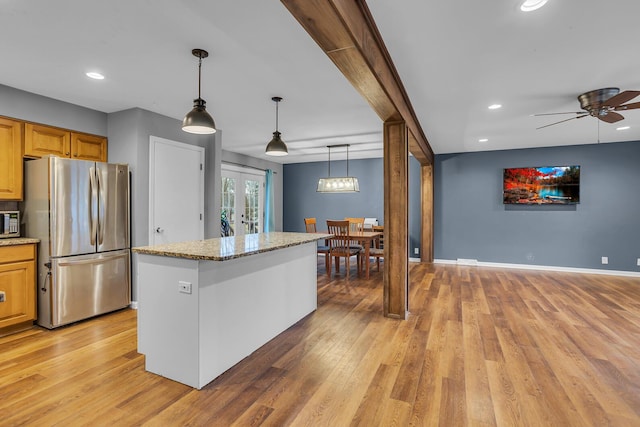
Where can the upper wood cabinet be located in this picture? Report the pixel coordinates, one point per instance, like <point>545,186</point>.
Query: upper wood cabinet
<point>41,140</point>
<point>88,147</point>
<point>10,159</point>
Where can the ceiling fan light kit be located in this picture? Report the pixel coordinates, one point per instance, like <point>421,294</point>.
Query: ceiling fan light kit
<point>601,104</point>
<point>198,120</point>
<point>343,184</point>
<point>276,147</point>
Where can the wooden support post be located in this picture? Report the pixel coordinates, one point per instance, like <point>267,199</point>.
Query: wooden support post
<point>426,233</point>
<point>396,219</point>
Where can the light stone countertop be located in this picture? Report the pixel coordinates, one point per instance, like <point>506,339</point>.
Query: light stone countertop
<point>12,241</point>
<point>226,248</point>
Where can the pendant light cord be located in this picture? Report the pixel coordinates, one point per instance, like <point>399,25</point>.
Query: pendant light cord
<point>199,74</point>
<point>277,102</point>
<point>329,162</point>
<point>347,160</point>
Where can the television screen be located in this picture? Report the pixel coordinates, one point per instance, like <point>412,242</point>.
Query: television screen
<point>545,185</point>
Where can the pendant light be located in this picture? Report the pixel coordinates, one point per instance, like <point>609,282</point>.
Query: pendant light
<point>345,184</point>
<point>276,147</point>
<point>198,120</point>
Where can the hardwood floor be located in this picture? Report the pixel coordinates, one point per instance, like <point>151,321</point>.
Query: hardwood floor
<point>482,347</point>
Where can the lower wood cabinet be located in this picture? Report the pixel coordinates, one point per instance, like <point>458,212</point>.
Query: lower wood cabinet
<point>18,282</point>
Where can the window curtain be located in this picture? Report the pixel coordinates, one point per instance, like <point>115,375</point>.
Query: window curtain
<point>269,208</point>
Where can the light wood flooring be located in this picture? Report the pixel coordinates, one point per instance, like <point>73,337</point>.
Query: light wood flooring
<point>482,347</point>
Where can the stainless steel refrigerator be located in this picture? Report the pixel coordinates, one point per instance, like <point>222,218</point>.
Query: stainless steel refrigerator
<point>80,212</point>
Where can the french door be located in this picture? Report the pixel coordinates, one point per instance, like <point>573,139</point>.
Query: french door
<point>242,204</point>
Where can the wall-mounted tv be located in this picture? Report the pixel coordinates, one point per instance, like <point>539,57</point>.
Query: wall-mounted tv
<point>543,185</point>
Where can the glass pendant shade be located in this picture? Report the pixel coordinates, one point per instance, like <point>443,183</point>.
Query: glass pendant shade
<point>198,120</point>
<point>347,184</point>
<point>342,184</point>
<point>276,147</point>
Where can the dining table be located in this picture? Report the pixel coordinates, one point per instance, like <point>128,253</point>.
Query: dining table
<point>365,238</point>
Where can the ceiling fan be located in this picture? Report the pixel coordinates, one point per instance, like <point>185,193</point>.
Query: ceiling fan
<point>602,104</point>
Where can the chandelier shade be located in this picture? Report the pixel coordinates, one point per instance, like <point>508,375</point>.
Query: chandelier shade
<point>342,184</point>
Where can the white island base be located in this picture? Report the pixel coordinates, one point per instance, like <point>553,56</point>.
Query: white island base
<point>235,306</point>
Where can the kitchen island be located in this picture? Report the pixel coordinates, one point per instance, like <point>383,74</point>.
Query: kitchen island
<point>205,305</point>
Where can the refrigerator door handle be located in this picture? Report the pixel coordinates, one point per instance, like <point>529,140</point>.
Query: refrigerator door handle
<point>101,207</point>
<point>93,204</point>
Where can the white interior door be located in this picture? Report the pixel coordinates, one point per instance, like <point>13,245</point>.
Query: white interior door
<point>242,203</point>
<point>176,191</point>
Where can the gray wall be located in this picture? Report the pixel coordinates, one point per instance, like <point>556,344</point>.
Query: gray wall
<point>40,109</point>
<point>471,222</point>
<point>302,201</point>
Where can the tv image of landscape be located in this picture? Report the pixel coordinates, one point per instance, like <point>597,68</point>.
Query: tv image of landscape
<point>542,185</point>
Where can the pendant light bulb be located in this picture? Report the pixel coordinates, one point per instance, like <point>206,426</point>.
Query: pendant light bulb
<point>198,120</point>
<point>276,147</point>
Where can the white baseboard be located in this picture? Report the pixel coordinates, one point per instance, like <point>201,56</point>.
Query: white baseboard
<point>539,267</point>
<point>134,305</point>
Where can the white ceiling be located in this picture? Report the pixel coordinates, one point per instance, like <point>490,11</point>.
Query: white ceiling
<point>454,57</point>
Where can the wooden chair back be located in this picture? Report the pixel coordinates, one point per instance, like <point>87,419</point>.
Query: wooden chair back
<point>339,243</point>
<point>380,228</point>
<point>310,225</point>
<point>356,224</point>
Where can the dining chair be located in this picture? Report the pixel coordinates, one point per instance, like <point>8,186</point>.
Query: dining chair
<point>310,226</point>
<point>339,245</point>
<point>356,225</point>
<point>378,251</point>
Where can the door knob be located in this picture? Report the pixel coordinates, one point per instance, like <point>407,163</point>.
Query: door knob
<point>159,230</point>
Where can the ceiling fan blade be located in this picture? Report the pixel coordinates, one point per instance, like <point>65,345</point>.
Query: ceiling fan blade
<point>553,114</point>
<point>632,106</point>
<point>611,117</point>
<point>621,98</point>
<point>562,121</point>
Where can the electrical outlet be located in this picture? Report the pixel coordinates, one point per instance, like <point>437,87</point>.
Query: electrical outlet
<point>416,251</point>
<point>184,287</point>
<point>638,262</point>
<point>605,260</point>
<point>3,296</point>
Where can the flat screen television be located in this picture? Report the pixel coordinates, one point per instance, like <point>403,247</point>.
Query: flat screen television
<point>558,185</point>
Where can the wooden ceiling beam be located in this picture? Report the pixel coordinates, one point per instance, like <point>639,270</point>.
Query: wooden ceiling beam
<point>346,32</point>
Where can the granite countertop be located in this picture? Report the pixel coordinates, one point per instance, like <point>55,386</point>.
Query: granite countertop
<point>226,248</point>
<point>12,241</point>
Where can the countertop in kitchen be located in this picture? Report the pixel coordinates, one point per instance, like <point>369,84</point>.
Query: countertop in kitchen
<point>226,248</point>
<point>13,241</point>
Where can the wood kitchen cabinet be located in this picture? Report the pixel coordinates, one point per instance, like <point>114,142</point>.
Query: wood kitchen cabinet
<point>11,176</point>
<point>41,140</point>
<point>18,282</point>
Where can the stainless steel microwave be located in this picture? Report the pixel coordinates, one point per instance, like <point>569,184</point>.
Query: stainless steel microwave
<point>9,224</point>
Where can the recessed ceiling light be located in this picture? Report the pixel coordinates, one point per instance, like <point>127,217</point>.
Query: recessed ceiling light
<point>623,128</point>
<point>94,75</point>
<point>494,106</point>
<point>531,5</point>
<point>483,140</point>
